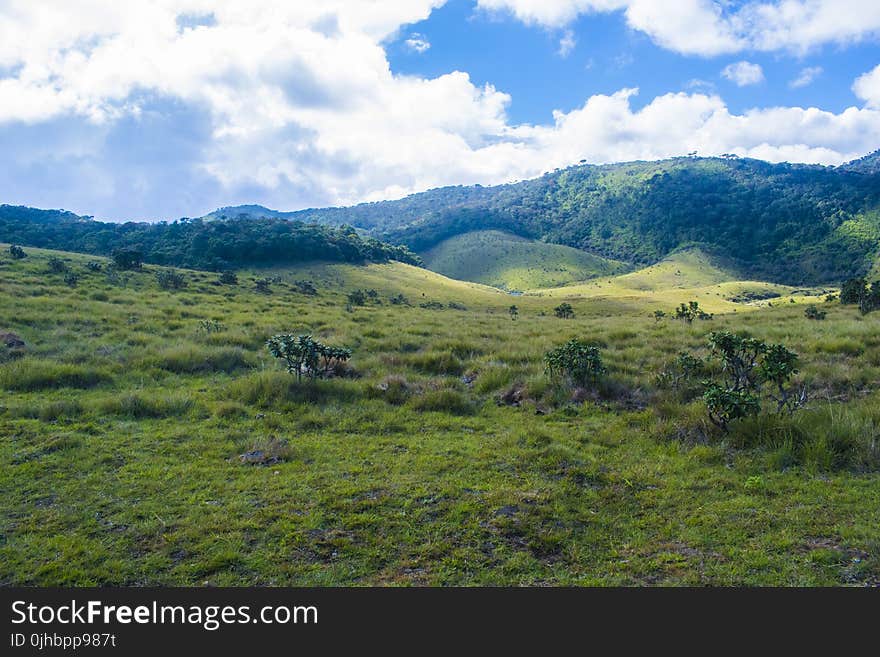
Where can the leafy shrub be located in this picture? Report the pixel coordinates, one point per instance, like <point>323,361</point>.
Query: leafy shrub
<point>57,265</point>
<point>94,265</point>
<point>564,311</point>
<point>168,279</point>
<point>125,259</point>
<point>357,298</point>
<point>211,326</point>
<point>682,373</point>
<point>305,355</point>
<point>658,315</point>
<point>228,278</point>
<point>747,364</point>
<point>399,300</point>
<point>263,285</point>
<point>17,252</point>
<point>305,287</point>
<point>813,312</point>
<point>690,311</point>
<point>71,279</point>
<point>432,305</point>
<point>577,362</point>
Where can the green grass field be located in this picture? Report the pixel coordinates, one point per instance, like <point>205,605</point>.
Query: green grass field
<point>510,262</point>
<point>124,419</point>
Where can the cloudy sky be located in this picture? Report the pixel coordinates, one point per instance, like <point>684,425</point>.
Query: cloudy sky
<point>157,109</point>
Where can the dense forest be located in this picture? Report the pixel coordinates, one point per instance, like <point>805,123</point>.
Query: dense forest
<point>195,243</point>
<point>789,223</point>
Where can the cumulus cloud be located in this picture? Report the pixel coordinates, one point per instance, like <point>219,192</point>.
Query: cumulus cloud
<point>173,107</point>
<point>867,87</point>
<point>743,74</point>
<point>703,27</point>
<point>806,77</point>
<point>417,43</point>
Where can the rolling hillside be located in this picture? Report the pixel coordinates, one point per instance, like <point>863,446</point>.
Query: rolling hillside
<point>510,262</point>
<point>789,223</point>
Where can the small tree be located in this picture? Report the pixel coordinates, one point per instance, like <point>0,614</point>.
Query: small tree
<point>228,277</point>
<point>263,285</point>
<point>399,300</point>
<point>305,355</point>
<point>578,362</point>
<point>127,259</point>
<point>357,298</point>
<point>94,265</point>
<point>71,279</point>
<point>564,311</point>
<point>17,252</point>
<point>659,315</point>
<point>513,311</point>
<point>690,311</point>
<point>777,367</point>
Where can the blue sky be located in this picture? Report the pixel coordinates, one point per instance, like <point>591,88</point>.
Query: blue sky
<point>525,62</point>
<point>159,109</point>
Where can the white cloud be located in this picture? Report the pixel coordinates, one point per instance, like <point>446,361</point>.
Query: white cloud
<point>567,43</point>
<point>806,77</point>
<point>417,43</point>
<point>867,87</point>
<point>743,74</point>
<point>132,113</point>
<point>704,27</point>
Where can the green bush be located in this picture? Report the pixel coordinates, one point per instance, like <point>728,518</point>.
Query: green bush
<point>17,252</point>
<point>576,362</point>
<point>305,355</point>
<point>564,311</point>
<point>168,279</point>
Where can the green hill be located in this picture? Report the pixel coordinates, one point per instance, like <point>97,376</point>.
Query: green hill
<point>511,262</point>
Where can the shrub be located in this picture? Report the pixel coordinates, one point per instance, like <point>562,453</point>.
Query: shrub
<point>263,285</point>
<point>746,365</point>
<point>813,312</point>
<point>564,311</point>
<point>578,362</point>
<point>125,259</point>
<point>168,279</point>
<point>858,291</point>
<point>513,311</point>
<point>432,305</point>
<point>228,278</point>
<point>690,311</point>
<point>56,265</point>
<point>94,265</point>
<point>455,305</point>
<point>211,326</point>
<point>17,252</point>
<point>357,298</point>
<point>305,355</point>
<point>658,315</point>
<point>305,287</point>
<point>399,300</point>
<point>71,279</point>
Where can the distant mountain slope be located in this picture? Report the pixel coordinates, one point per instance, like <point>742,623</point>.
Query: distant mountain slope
<point>218,244</point>
<point>510,262</point>
<point>785,222</point>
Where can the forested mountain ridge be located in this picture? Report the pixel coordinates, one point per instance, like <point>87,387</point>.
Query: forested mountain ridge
<point>790,223</point>
<point>194,243</point>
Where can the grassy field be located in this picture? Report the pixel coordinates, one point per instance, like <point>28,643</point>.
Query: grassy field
<point>443,456</point>
<point>510,262</point>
